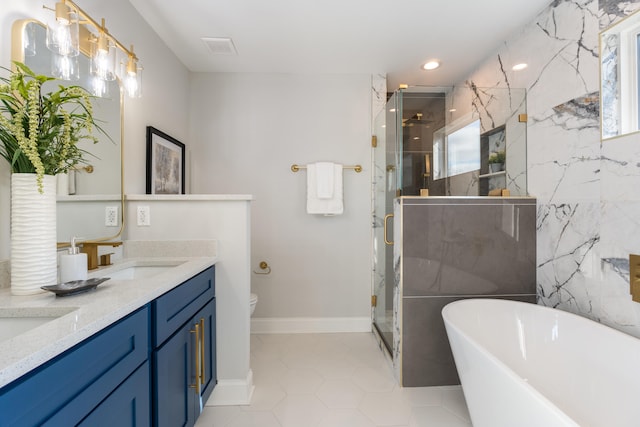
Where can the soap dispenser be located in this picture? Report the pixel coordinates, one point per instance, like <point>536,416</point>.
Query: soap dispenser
<point>73,264</point>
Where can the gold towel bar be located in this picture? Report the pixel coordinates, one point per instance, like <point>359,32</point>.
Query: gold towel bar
<point>357,168</point>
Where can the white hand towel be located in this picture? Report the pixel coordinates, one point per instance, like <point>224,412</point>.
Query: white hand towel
<point>324,180</point>
<point>324,206</point>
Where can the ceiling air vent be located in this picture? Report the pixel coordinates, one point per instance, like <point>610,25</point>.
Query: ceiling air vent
<point>220,45</point>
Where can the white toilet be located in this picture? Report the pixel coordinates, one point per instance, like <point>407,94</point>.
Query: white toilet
<point>253,300</point>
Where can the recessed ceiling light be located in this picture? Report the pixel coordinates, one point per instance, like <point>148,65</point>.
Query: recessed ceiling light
<point>453,110</point>
<point>519,67</point>
<point>415,138</point>
<point>431,65</point>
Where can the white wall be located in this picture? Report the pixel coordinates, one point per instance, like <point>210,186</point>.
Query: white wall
<point>246,131</point>
<point>227,222</point>
<point>165,87</point>
<point>165,97</point>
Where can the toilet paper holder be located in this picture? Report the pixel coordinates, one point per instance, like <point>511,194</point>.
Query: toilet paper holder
<point>264,267</point>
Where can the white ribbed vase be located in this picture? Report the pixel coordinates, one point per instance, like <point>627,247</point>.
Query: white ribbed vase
<point>33,234</point>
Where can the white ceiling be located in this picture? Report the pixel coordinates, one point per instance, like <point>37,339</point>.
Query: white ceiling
<point>393,37</point>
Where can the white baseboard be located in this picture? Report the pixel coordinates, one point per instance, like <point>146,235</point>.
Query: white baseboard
<point>307,325</point>
<point>232,392</point>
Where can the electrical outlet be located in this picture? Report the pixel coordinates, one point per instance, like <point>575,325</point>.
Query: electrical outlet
<point>144,216</point>
<point>111,216</point>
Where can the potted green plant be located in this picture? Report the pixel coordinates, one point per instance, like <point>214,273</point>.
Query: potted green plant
<point>39,135</point>
<point>40,131</point>
<point>496,161</point>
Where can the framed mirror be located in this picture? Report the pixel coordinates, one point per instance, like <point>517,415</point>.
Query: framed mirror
<point>90,198</point>
<point>620,77</point>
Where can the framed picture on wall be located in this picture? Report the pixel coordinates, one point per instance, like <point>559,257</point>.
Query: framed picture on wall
<point>165,163</point>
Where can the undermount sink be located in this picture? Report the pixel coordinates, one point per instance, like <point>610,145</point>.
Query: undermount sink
<point>14,322</point>
<point>139,271</point>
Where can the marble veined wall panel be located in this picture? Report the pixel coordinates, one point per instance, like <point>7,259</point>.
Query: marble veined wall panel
<point>612,11</point>
<point>588,212</point>
<point>565,161</point>
<point>568,236</point>
<point>619,231</point>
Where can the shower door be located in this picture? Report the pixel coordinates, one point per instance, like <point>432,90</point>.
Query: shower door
<point>387,165</point>
<point>402,165</point>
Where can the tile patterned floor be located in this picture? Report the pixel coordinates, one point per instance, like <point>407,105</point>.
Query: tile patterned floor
<point>333,380</point>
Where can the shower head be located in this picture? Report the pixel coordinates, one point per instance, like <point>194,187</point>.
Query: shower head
<point>417,120</point>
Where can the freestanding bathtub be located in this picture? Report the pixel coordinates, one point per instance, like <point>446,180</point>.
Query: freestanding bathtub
<point>527,365</point>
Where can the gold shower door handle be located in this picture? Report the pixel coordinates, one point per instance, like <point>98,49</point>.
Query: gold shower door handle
<point>386,217</point>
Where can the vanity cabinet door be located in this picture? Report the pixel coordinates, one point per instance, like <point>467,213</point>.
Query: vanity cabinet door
<point>174,380</point>
<point>128,406</point>
<point>207,317</point>
<point>185,366</point>
<point>184,356</point>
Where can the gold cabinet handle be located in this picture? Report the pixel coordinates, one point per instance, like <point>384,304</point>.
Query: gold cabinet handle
<point>386,217</point>
<point>197,357</point>
<point>202,348</point>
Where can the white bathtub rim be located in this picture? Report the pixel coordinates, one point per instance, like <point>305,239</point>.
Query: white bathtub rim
<point>509,372</point>
<point>592,323</point>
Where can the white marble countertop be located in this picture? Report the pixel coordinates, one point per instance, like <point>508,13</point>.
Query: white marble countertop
<point>88,312</point>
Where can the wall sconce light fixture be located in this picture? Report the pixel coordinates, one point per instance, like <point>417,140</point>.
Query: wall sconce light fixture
<point>103,56</point>
<point>63,32</point>
<point>71,31</point>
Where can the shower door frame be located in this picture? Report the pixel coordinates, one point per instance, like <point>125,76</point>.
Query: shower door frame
<point>387,164</point>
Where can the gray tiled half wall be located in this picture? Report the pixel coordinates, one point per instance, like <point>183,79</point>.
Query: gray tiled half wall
<point>454,248</point>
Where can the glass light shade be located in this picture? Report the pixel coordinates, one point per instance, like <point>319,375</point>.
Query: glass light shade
<point>133,81</point>
<point>65,67</point>
<point>99,87</point>
<point>63,32</point>
<point>103,59</point>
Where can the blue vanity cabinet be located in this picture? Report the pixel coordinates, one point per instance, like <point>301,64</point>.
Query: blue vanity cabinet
<point>184,350</point>
<point>107,373</point>
<point>173,375</point>
<point>128,405</point>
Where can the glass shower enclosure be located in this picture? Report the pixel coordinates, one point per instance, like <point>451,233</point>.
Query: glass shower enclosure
<point>402,159</point>
<point>439,141</point>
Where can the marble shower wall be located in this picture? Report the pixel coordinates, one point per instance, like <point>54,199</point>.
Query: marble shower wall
<point>378,185</point>
<point>588,218</point>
